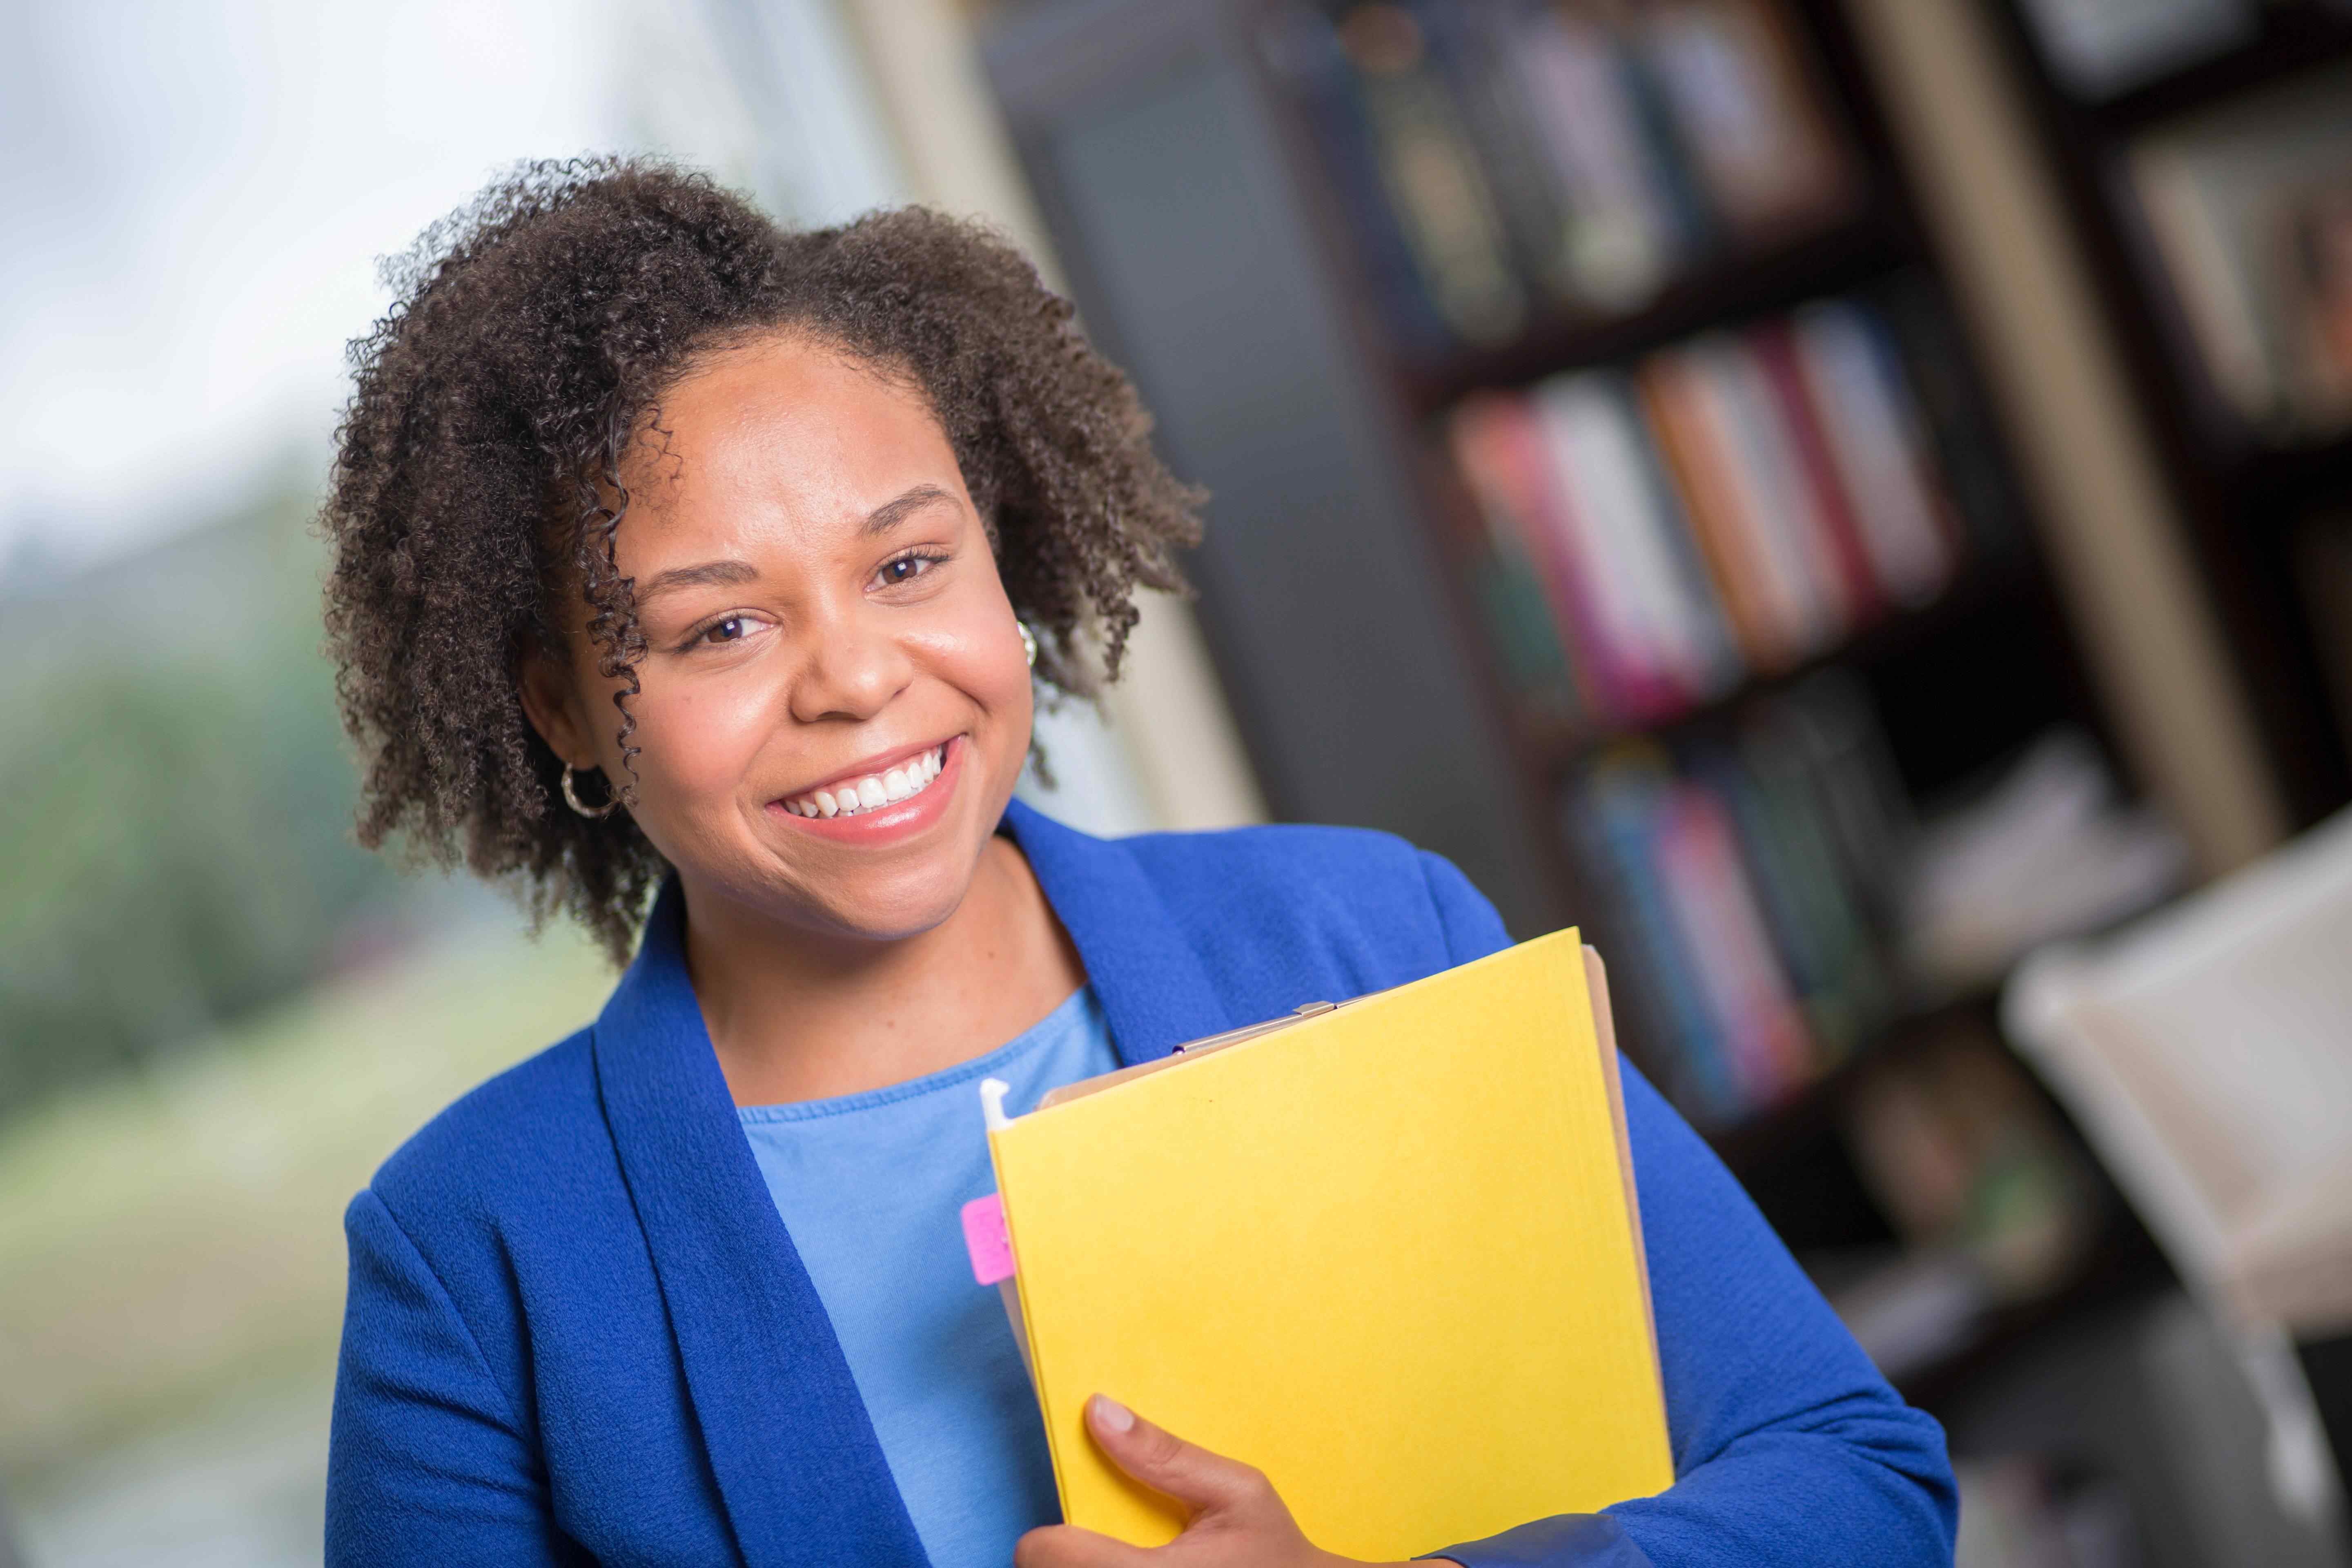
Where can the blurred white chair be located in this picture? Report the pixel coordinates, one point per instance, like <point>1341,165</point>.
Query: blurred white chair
<point>2206,1052</point>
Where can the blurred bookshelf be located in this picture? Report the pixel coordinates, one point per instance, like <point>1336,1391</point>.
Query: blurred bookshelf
<point>1605,496</point>
<point>2205,147</point>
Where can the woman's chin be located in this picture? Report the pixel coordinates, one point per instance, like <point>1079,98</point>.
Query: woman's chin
<point>891,903</point>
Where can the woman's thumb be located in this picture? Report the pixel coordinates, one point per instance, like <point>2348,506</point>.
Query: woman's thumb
<point>1209,1483</point>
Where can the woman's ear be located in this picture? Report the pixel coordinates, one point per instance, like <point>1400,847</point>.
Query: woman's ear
<point>550,700</point>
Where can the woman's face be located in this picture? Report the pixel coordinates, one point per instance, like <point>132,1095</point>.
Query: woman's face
<point>834,699</point>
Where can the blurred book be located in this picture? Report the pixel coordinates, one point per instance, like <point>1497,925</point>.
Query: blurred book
<point>1633,215</point>
<point>2250,208</point>
<point>2047,851</point>
<point>1525,153</point>
<point>1646,580</point>
<point>1740,906</point>
<point>1305,47</point>
<point>1738,503</point>
<point>1744,110</point>
<point>1951,429</point>
<point>2099,48</point>
<point>1850,378</point>
<point>1610,819</point>
<point>1522,579</point>
<point>1432,174</point>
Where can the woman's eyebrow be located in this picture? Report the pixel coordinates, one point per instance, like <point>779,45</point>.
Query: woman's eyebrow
<point>705,574</point>
<point>897,509</point>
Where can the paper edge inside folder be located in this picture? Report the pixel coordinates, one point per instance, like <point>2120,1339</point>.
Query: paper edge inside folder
<point>1605,1029</point>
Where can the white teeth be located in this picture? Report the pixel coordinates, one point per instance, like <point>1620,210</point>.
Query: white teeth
<point>875,789</point>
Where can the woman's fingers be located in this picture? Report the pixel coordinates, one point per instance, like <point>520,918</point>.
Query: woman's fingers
<point>1209,1483</point>
<point>1067,1546</point>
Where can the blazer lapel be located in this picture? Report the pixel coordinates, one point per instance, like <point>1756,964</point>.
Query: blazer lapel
<point>805,1480</point>
<point>1151,984</point>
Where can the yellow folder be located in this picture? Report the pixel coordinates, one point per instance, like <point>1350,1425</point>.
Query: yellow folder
<point>1387,1253</point>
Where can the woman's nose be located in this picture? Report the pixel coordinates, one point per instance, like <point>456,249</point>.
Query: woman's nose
<point>851,670</point>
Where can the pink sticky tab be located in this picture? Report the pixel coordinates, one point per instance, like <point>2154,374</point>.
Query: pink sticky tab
<point>985,1238</point>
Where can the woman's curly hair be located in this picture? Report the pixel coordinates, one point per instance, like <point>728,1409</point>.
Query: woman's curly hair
<point>478,476</point>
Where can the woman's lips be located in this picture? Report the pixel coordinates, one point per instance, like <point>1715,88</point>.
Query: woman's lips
<point>926,787</point>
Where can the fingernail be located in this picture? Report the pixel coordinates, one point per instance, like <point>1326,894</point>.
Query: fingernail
<point>1111,1416</point>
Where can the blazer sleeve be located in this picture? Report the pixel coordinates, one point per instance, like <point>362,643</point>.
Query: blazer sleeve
<point>426,1460</point>
<point>1789,1448</point>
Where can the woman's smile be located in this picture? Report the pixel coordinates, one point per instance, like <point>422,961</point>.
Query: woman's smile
<point>882,799</point>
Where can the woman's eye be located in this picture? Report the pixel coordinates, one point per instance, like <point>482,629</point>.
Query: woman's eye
<point>734,629</point>
<point>905,569</point>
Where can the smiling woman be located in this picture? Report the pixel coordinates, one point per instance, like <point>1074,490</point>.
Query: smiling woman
<point>771,532</point>
<point>527,387</point>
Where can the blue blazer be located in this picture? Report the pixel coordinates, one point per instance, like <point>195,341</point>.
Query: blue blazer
<point>577,1331</point>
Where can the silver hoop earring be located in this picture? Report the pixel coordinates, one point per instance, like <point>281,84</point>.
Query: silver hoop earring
<point>1028,643</point>
<point>594,812</point>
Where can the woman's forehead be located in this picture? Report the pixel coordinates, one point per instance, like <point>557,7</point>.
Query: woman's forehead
<point>786,436</point>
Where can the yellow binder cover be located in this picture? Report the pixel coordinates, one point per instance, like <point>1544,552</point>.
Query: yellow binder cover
<point>1385,1254</point>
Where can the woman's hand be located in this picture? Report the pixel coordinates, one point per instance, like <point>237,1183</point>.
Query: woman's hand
<point>1237,1522</point>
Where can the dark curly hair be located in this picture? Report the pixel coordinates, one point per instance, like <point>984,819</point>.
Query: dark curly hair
<point>478,476</point>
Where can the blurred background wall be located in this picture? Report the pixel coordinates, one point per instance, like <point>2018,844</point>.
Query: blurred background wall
<point>1834,496</point>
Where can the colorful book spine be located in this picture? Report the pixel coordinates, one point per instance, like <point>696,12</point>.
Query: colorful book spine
<point>1610,820</point>
<point>1672,646</point>
<point>1848,367</point>
<point>1808,443</point>
<point>1520,605</point>
<point>1739,973</point>
<point>1746,578</point>
<point>1501,455</point>
<point>1731,410</point>
<point>1781,504</point>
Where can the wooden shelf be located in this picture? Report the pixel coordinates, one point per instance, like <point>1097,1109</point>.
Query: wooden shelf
<point>2293,473</point>
<point>1840,255</point>
<point>2293,39</point>
<point>1987,586</point>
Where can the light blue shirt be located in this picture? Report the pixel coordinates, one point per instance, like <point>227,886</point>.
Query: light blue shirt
<point>872,1188</point>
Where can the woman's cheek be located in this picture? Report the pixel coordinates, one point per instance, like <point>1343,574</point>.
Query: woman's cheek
<point>984,647</point>
<point>703,744</point>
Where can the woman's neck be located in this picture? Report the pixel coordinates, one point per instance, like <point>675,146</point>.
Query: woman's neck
<point>792,1018</point>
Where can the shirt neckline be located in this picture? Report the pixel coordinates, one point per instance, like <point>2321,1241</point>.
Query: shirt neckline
<point>1050,1027</point>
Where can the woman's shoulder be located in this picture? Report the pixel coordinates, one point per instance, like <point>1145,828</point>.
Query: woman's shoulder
<point>1275,857</point>
<point>1348,888</point>
<point>527,1131</point>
